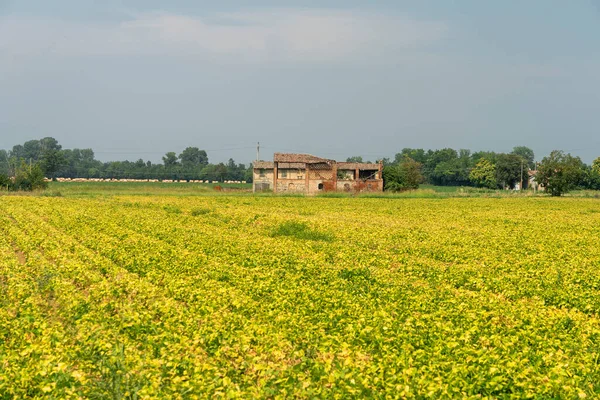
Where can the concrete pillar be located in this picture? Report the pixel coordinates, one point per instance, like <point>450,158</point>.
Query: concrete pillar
<point>335,170</point>
<point>276,164</point>
<point>306,180</point>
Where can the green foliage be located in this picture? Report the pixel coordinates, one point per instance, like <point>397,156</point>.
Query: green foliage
<point>596,166</point>
<point>300,230</point>
<point>526,154</point>
<point>4,182</point>
<point>51,162</point>
<point>508,170</point>
<point>170,159</point>
<point>200,211</point>
<point>484,174</point>
<point>355,159</point>
<point>29,178</point>
<point>404,176</point>
<point>171,209</point>
<point>559,172</point>
<point>193,157</point>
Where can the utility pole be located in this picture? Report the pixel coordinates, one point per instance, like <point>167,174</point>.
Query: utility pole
<point>521,187</point>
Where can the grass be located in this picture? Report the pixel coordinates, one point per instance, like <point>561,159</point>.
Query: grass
<point>96,189</point>
<point>104,189</point>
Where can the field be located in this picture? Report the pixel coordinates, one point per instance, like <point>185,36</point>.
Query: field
<point>199,295</point>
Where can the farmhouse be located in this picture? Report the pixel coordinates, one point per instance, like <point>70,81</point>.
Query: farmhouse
<point>304,173</point>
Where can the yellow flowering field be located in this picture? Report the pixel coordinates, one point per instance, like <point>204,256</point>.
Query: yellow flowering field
<point>289,297</point>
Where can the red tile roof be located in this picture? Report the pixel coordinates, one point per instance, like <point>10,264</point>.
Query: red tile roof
<point>299,158</point>
<point>264,164</point>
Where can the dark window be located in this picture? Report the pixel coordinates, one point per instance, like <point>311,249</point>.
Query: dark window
<point>320,186</point>
<point>262,173</point>
<point>284,173</point>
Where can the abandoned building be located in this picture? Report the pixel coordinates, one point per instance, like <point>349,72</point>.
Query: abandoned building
<point>304,173</point>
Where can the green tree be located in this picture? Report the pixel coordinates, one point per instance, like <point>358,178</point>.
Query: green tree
<point>488,155</point>
<point>418,155</point>
<point>193,157</point>
<point>403,176</point>
<point>32,150</point>
<point>29,177</point>
<point>354,159</point>
<point>596,166</point>
<point>559,172</point>
<point>51,157</point>
<point>51,161</point>
<point>508,170</point>
<point>5,182</point>
<point>170,159</point>
<point>484,174</point>
<point>526,153</point>
<point>3,162</point>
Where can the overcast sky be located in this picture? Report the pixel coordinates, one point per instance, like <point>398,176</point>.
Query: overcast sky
<point>335,78</point>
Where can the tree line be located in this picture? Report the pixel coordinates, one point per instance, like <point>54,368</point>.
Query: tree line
<point>54,161</point>
<point>558,172</point>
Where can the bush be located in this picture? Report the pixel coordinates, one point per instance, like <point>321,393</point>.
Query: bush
<point>300,230</point>
<point>200,211</point>
<point>28,178</point>
<point>5,182</point>
<point>404,176</point>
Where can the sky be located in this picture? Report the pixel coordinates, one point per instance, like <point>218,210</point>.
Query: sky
<point>335,78</point>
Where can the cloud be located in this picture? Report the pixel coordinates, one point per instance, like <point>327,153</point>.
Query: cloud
<point>265,36</point>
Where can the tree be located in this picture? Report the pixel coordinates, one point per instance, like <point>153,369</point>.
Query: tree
<point>596,166</point>
<point>526,153</point>
<point>416,154</point>
<point>32,150</point>
<point>3,162</point>
<point>442,167</point>
<point>5,182</point>
<point>50,155</point>
<point>51,161</point>
<point>193,157</point>
<point>559,172</point>
<point>49,143</point>
<point>354,159</point>
<point>29,177</point>
<point>170,159</point>
<point>508,170</point>
<point>403,176</point>
<point>17,152</point>
<point>484,174</point>
<point>488,155</point>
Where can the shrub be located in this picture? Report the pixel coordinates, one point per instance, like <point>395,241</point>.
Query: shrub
<point>5,182</point>
<point>28,178</point>
<point>300,230</point>
<point>200,211</point>
<point>172,209</point>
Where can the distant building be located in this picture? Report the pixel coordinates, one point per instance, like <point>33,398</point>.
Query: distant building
<point>533,183</point>
<point>304,173</point>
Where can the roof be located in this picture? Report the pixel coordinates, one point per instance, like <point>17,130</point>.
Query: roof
<point>264,164</point>
<point>360,166</point>
<point>283,165</point>
<point>299,158</point>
